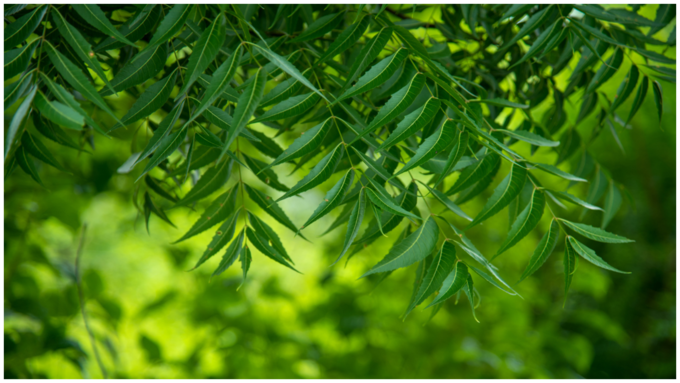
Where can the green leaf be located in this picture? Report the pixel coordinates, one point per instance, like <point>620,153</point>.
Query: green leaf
<point>573,199</point>
<point>470,292</point>
<point>345,39</point>
<point>442,268</point>
<point>410,250</point>
<point>397,104</point>
<point>569,265</point>
<point>606,71</point>
<point>639,98</point>
<point>76,78</point>
<point>247,103</point>
<point>166,147</point>
<point>502,103</point>
<point>533,139</point>
<point>432,145</point>
<point>489,279</point>
<point>412,123</point>
<point>229,257</point>
<point>308,142</point>
<point>612,203</point>
<point>265,231</point>
<point>38,150</point>
<point>388,205</point>
<point>534,22</point>
<point>220,81</point>
<point>377,75</point>
<point>319,27</point>
<point>474,173</point>
<point>658,99</point>
<point>283,91</point>
<point>389,221</point>
<point>453,282</point>
<point>162,131</point>
<point>319,173</point>
<point>545,247</point>
<point>18,31</point>
<point>27,164</point>
<point>67,98</point>
<point>80,45</point>
<point>17,60</point>
<point>589,255</point>
<point>292,107</point>
<point>442,198</point>
<point>221,208</point>
<point>456,154</point>
<point>172,23</point>
<point>271,208</point>
<point>287,67</point>
<point>136,72</point>
<point>153,184</point>
<point>203,53</point>
<point>626,88</point>
<point>262,245</point>
<point>541,41</point>
<point>58,113</point>
<point>332,198</point>
<point>267,176</point>
<point>526,221</point>
<point>48,130</point>
<point>96,17</point>
<point>16,89</point>
<point>355,219</point>
<point>368,53</point>
<point>213,179</point>
<point>245,258</point>
<point>222,236</point>
<point>504,193</point>
<point>560,173</point>
<point>150,101</point>
<point>594,233</point>
<point>134,28</point>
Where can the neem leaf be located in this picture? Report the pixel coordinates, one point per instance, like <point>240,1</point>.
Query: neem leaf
<point>456,154</point>
<point>306,143</point>
<point>58,113</point>
<point>639,98</point>
<point>410,250</point>
<point>27,164</point>
<point>569,265</point>
<point>532,138</point>
<point>589,255</point>
<point>172,23</point>
<point>345,39</point>
<point>162,131</point>
<point>441,197</point>
<point>134,28</point>
<point>267,176</point>
<point>203,53</point>
<point>504,193</point>
<point>263,246</point>
<point>213,179</point>
<point>332,198</point>
<point>626,88</point>
<point>318,28</point>
<point>96,17</point>
<point>355,219</point>
<point>222,236</point>
<point>526,221</point>
<point>595,233</point>
<point>218,211</point>
<point>387,204</point>
<point>38,150</point>
<point>150,101</point>
<point>545,247</point>
<point>291,107</point>
<point>368,53</point>
<point>473,174</point>
<point>573,199</point>
<point>658,98</point>
<point>612,203</point>
<point>412,123</point>
<point>264,230</point>
<point>560,173</point>
<point>136,72</point>
<point>502,103</point>
<point>452,284</point>
<point>271,208</point>
<point>18,31</point>
<point>442,267</point>
<point>534,22</point>
<point>319,173</point>
<point>229,257</point>
<point>377,75</point>
<point>17,60</point>
<point>431,146</point>
<point>166,147</point>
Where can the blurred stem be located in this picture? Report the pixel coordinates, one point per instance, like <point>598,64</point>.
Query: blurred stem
<point>81,299</point>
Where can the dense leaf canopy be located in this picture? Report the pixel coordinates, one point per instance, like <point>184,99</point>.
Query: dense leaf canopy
<point>384,109</point>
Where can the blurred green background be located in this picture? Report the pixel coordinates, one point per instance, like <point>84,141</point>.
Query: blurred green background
<point>152,318</point>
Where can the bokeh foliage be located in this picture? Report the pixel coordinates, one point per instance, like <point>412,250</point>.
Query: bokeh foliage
<point>153,319</point>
